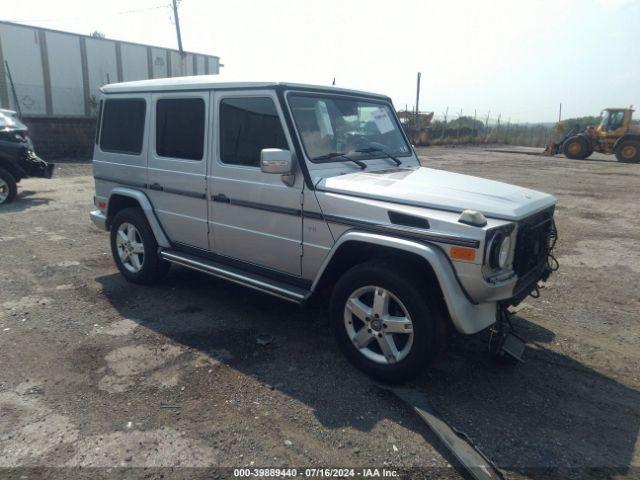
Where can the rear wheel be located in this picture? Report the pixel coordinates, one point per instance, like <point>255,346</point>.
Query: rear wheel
<point>576,148</point>
<point>8,187</point>
<point>628,151</point>
<point>135,249</point>
<point>385,321</point>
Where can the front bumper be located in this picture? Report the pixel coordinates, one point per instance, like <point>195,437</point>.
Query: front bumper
<point>34,166</point>
<point>99,219</point>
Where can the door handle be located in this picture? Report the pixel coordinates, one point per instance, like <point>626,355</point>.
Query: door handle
<point>156,186</point>
<point>220,197</point>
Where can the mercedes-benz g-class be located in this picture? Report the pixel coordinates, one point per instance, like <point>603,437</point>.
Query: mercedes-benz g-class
<point>301,191</point>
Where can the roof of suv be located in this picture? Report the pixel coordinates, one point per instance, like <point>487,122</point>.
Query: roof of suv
<point>206,82</point>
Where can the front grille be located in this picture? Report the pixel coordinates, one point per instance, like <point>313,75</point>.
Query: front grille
<point>533,241</point>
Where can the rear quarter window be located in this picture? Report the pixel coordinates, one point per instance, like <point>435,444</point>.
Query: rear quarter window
<point>180,128</point>
<point>123,125</point>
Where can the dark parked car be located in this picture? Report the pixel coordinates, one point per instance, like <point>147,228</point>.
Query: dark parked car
<point>17,158</point>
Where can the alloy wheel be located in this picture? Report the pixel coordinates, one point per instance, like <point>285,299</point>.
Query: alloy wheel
<point>378,325</point>
<point>130,247</point>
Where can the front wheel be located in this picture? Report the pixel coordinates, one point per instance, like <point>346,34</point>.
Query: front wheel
<point>135,249</point>
<point>576,148</point>
<point>386,321</point>
<point>8,187</point>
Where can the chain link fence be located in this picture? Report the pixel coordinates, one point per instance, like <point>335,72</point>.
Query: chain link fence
<point>460,128</point>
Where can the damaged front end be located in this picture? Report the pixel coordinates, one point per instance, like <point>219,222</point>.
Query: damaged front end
<point>17,156</point>
<point>35,166</point>
<point>535,261</point>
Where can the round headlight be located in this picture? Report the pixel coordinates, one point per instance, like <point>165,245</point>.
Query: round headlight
<point>503,253</point>
<point>500,249</point>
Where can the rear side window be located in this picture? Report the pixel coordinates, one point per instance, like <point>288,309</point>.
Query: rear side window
<point>123,125</point>
<point>180,128</point>
<point>247,125</point>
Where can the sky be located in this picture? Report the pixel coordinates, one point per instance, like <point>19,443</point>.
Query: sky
<point>515,58</point>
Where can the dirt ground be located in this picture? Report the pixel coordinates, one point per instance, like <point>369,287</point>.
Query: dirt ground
<point>96,372</point>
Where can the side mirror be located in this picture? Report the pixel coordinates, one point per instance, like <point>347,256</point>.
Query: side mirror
<point>274,160</point>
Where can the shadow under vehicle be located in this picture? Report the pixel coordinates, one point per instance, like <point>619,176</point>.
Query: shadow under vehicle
<point>535,421</point>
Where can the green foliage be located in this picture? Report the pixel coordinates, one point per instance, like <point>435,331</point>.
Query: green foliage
<point>458,127</point>
<point>581,122</point>
<point>475,133</point>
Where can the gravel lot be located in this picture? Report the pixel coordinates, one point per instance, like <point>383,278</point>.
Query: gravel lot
<point>96,372</point>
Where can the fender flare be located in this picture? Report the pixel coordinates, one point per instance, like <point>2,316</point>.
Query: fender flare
<point>467,317</point>
<point>146,207</point>
<point>624,138</point>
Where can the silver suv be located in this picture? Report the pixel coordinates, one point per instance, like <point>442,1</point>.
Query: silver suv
<point>301,191</point>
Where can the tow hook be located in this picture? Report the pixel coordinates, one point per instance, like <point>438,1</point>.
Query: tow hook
<point>504,343</point>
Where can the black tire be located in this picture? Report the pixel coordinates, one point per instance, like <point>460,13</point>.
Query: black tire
<point>628,151</point>
<point>423,308</point>
<point>12,185</point>
<point>153,267</point>
<point>576,148</point>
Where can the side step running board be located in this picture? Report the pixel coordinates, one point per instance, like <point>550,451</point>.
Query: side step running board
<point>236,275</point>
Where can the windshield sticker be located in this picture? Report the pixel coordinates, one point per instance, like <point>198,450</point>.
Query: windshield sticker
<point>383,122</point>
<point>323,119</point>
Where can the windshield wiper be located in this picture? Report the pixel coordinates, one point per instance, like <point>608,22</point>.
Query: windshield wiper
<point>329,157</point>
<point>374,150</point>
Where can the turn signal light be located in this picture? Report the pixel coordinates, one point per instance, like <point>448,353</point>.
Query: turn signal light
<point>463,253</point>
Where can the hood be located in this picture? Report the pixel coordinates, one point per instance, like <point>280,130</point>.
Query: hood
<point>427,187</point>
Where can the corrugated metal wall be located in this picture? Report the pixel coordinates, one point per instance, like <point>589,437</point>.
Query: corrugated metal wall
<point>57,73</point>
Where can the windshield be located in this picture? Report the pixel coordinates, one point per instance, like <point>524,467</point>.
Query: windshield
<point>611,120</point>
<point>330,125</point>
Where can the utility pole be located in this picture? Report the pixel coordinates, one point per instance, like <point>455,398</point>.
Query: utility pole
<point>486,126</point>
<point>475,116</point>
<point>418,98</point>
<point>459,122</point>
<point>13,90</point>
<point>560,113</point>
<point>444,125</point>
<point>179,35</point>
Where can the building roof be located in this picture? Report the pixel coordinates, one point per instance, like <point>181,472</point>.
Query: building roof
<point>106,39</point>
<point>207,82</point>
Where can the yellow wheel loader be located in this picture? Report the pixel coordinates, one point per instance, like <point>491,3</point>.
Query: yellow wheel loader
<point>616,134</point>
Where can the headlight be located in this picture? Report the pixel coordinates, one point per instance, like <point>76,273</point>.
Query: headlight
<point>500,249</point>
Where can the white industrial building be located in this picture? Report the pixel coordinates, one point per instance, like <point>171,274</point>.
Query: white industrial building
<point>53,73</point>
